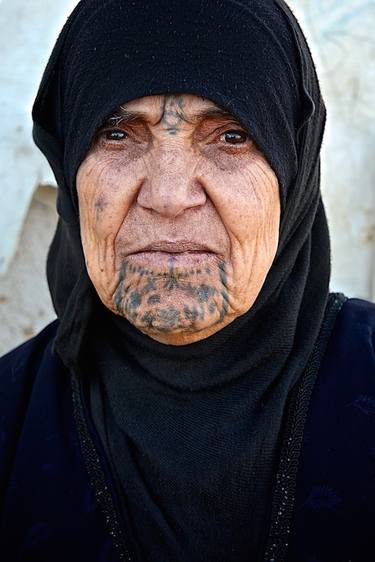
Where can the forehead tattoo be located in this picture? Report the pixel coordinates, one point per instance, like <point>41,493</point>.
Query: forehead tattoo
<point>172,114</point>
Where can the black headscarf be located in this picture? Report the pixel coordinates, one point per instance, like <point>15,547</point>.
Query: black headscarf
<point>249,57</point>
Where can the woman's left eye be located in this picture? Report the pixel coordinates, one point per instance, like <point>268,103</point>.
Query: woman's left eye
<point>234,137</point>
<point>115,135</point>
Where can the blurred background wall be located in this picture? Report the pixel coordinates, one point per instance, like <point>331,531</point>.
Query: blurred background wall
<point>340,33</point>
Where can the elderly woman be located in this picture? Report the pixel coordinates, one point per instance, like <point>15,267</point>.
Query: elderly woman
<point>201,397</point>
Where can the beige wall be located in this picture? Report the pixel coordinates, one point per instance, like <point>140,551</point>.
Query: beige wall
<point>341,37</point>
<point>25,304</point>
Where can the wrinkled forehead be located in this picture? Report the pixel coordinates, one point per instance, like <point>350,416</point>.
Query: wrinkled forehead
<point>167,108</point>
<point>158,104</point>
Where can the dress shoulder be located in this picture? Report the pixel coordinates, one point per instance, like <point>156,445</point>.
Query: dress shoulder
<point>19,373</point>
<point>335,495</point>
<point>352,344</point>
<point>27,354</point>
<point>358,312</point>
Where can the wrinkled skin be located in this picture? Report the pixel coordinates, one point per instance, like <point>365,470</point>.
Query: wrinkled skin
<point>179,215</point>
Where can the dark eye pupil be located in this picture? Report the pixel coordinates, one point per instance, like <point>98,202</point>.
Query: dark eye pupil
<point>115,135</point>
<point>235,137</point>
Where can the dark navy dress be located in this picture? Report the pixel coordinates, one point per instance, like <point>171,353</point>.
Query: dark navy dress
<point>57,496</point>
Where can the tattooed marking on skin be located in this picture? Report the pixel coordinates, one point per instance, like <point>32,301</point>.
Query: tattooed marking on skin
<point>173,113</point>
<point>135,300</point>
<point>189,289</point>
<point>204,292</point>
<point>150,286</point>
<point>100,205</point>
<point>154,299</point>
<point>223,274</point>
<point>171,283</point>
<point>191,314</point>
<point>149,319</point>
<point>170,318</point>
<point>119,292</point>
<point>224,293</point>
<point>209,299</point>
<point>224,310</point>
<point>173,278</point>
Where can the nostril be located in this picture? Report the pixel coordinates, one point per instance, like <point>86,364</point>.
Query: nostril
<point>199,193</point>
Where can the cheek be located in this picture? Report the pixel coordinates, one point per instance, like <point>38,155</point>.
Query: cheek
<point>255,232</point>
<point>246,197</point>
<point>105,193</point>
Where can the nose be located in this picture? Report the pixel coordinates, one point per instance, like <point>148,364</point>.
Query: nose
<point>171,185</point>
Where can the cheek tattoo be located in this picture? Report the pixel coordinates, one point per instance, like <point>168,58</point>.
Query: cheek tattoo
<point>172,300</point>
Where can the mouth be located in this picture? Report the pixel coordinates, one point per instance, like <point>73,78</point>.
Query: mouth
<point>176,247</point>
<point>182,253</point>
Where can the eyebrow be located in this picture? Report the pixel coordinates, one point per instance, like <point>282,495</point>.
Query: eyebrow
<point>123,115</point>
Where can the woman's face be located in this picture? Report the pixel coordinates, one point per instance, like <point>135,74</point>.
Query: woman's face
<point>179,215</point>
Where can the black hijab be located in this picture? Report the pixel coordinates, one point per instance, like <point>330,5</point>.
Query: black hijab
<point>249,57</point>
